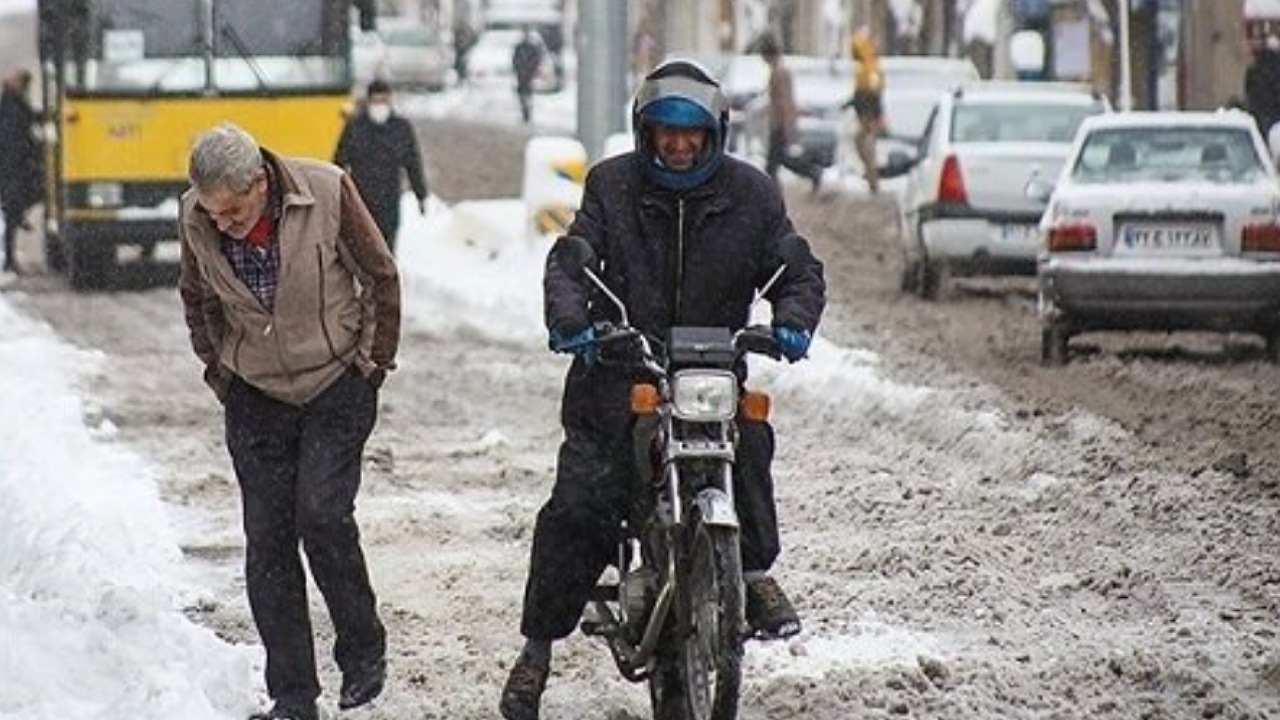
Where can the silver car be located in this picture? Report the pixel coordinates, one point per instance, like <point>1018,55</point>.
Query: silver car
<point>965,209</point>
<point>403,52</point>
<point>821,85</point>
<point>1162,221</point>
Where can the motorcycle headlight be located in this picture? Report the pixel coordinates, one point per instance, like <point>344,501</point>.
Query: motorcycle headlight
<point>704,395</point>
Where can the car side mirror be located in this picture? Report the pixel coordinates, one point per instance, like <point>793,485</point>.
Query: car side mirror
<point>900,162</point>
<point>1038,189</point>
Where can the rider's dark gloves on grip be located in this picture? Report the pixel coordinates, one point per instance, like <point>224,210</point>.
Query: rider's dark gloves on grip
<point>794,343</point>
<point>582,344</point>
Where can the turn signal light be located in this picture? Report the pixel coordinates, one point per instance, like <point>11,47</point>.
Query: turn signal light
<point>951,184</point>
<point>1260,238</point>
<point>1073,237</point>
<point>645,399</point>
<point>755,406</point>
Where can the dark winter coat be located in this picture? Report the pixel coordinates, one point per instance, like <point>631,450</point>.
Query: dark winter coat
<point>525,60</point>
<point>375,155</point>
<point>23,167</point>
<point>691,258</point>
<point>1262,89</point>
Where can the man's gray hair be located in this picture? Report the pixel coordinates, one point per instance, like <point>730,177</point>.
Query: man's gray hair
<point>224,158</point>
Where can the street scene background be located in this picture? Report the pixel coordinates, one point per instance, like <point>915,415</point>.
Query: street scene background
<point>966,533</point>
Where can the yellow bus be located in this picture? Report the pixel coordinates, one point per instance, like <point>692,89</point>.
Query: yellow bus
<point>128,85</point>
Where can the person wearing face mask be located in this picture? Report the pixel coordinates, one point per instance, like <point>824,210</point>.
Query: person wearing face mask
<point>378,148</point>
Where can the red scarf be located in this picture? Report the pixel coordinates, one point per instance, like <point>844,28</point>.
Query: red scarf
<point>260,235</point>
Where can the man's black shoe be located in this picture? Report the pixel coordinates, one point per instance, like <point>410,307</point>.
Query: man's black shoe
<point>522,695</point>
<point>769,612</point>
<point>284,711</point>
<point>363,684</point>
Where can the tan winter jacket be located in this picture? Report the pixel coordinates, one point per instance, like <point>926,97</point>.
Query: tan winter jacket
<point>338,296</point>
<point>782,101</point>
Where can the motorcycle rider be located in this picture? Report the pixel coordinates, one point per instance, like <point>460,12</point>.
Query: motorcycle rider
<point>685,234</point>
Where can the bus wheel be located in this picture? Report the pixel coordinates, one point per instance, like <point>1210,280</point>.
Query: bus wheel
<point>55,254</point>
<point>90,262</point>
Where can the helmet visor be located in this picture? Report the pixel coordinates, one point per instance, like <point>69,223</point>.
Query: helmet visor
<point>704,96</point>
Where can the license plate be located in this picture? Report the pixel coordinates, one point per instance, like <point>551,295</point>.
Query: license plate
<point>1014,234</point>
<point>1167,239</point>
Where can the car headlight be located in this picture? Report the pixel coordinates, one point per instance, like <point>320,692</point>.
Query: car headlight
<point>704,395</point>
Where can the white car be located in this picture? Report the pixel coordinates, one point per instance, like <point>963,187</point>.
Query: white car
<point>403,52</point>
<point>1162,221</point>
<point>965,206</point>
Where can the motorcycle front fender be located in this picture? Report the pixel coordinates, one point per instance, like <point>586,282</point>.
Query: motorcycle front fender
<point>716,508</point>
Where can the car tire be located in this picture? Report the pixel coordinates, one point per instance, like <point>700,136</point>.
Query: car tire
<point>910,282</point>
<point>1271,337</point>
<point>1053,343</point>
<point>931,279</point>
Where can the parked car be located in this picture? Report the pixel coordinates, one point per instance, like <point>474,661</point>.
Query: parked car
<point>1162,221</point>
<point>367,57</point>
<point>821,87</point>
<point>913,86</point>
<point>489,62</point>
<point>965,209</point>
<point>403,52</point>
<point>742,78</point>
<point>415,54</point>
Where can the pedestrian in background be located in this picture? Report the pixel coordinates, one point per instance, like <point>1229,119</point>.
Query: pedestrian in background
<point>526,58</point>
<point>464,38</point>
<point>21,163</point>
<point>1262,92</point>
<point>378,148</point>
<point>868,104</point>
<point>292,300</point>
<point>784,148</point>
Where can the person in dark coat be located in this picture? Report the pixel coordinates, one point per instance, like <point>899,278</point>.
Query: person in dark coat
<point>686,235</point>
<point>1262,88</point>
<point>526,58</point>
<point>784,149</point>
<point>22,174</point>
<point>378,146</point>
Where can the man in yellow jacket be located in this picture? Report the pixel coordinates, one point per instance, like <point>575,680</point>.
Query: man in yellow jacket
<point>868,91</point>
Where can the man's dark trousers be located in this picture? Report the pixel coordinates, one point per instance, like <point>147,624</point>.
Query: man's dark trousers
<point>299,471</point>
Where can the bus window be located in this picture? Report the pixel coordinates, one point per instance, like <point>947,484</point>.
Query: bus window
<point>159,46</point>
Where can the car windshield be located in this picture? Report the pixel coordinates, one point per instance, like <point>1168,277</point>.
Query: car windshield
<point>1168,154</point>
<point>410,36</point>
<point>1017,122</point>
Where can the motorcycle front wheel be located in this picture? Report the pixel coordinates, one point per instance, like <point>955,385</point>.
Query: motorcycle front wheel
<point>699,671</point>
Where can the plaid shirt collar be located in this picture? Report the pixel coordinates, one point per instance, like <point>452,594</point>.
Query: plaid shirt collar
<point>259,268</point>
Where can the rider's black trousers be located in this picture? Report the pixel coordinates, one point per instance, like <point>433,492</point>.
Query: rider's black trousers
<point>299,471</point>
<point>577,529</point>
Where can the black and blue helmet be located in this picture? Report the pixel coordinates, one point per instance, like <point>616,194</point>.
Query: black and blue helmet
<point>680,93</point>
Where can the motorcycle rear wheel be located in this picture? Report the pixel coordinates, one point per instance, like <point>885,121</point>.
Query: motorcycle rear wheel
<point>699,675</point>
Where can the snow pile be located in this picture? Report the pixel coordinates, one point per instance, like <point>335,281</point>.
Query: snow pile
<point>89,568</point>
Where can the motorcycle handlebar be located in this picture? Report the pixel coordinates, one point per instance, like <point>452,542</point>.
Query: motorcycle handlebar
<point>622,341</point>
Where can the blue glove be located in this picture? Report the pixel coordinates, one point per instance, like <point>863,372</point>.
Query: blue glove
<point>582,344</point>
<point>793,343</point>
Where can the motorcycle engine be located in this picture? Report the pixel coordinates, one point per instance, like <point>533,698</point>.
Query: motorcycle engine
<point>638,592</point>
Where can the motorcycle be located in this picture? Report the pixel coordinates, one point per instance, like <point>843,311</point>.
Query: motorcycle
<point>675,617</point>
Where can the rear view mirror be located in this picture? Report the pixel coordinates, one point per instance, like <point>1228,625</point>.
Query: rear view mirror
<point>575,255</point>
